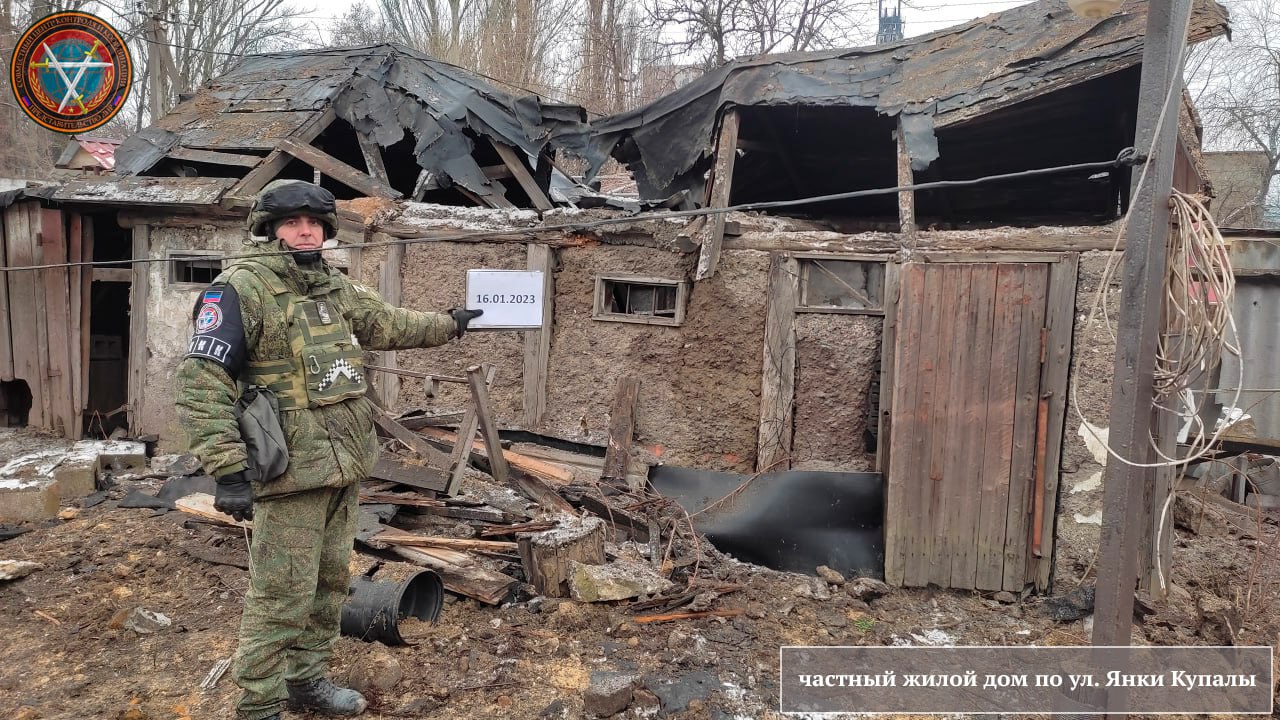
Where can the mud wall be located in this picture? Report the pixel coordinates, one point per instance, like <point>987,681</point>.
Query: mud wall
<point>169,326</point>
<point>433,278</point>
<point>837,357</point>
<point>1080,488</point>
<point>699,393</point>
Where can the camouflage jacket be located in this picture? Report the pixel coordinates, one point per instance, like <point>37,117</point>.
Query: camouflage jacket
<point>330,444</point>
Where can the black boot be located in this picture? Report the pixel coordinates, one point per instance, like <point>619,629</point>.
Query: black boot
<point>324,697</point>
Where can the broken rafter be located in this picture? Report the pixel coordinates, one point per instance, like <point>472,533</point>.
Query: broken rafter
<point>214,157</point>
<point>373,159</point>
<point>333,167</point>
<point>274,163</point>
<point>522,175</point>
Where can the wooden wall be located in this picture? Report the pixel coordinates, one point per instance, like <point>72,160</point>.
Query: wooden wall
<point>43,313</point>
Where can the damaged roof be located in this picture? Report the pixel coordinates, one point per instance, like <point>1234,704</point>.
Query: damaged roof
<point>383,91</point>
<point>937,80</point>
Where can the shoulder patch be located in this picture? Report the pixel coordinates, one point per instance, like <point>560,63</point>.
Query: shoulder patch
<point>218,328</point>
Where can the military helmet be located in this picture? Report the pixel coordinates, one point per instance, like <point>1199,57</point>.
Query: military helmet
<point>285,198</point>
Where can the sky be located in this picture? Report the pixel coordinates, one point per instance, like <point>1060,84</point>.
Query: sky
<point>921,16</point>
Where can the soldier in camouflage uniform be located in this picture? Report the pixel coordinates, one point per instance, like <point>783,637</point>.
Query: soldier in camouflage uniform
<point>292,324</point>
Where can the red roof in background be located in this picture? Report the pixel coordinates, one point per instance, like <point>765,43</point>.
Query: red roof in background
<point>103,149</point>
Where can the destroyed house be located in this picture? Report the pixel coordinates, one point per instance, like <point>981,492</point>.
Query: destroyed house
<point>917,344</point>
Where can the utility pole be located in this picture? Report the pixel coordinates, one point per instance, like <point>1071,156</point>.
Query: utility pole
<point>156,52</point>
<point>1124,513</point>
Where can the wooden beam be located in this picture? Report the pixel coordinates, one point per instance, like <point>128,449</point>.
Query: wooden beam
<point>718,194</point>
<point>1017,240</point>
<point>333,167</point>
<point>373,159</point>
<point>62,371</point>
<point>888,351</point>
<point>906,198</point>
<point>461,456</point>
<point>75,245</point>
<point>494,200</point>
<point>550,472</point>
<point>622,425</point>
<point>102,274</point>
<point>139,294</point>
<point>390,287</point>
<point>1059,319</point>
<point>86,305</point>
<point>6,337</point>
<point>537,343</point>
<point>214,157</point>
<point>777,382</point>
<point>243,192</point>
<point>37,237</point>
<point>426,181</point>
<point>479,379</point>
<point>522,175</point>
<point>20,250</point>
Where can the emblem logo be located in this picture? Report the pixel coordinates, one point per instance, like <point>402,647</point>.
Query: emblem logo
<point>71,72</point>
<point>209,318</point>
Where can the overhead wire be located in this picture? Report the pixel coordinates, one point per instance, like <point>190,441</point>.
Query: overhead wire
<point>1125,158</point>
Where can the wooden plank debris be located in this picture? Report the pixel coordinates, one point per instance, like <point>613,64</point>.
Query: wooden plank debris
<point>481,514</point>
<point>534,526</point>
<point>332,167</point>
<point>718,195</point>
<point>622,423</point>
<point>547,556</point>
<point>539,469</point>
<point>461,573</point>
<point>465,439</point>
<point>368,497</point>
<point>646,619</point>
<point>393,536</point>
<point>391,468</point>
<point>479,380</point>
<point>201,505</point>
<point>432,456</point>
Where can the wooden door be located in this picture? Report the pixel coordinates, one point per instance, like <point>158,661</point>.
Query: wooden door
<point>967,390</point>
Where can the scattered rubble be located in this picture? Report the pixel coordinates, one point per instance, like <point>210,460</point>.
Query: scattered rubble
<point>14,569</point>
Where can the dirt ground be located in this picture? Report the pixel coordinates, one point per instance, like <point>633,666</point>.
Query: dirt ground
<point>69,651</point>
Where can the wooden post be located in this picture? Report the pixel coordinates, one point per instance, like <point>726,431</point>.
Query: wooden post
<point>479,380</point>
<point>777,383</point>
<point>888,356</point>
<point>466,438</point>
<point>390,286</point>
<point>139,291</point>
<point>86,303</point>
<point>1124,515</point>
<point>622,424</point>
<point>6,336</point>
<point>718,194</point>
<point>547,556</point>
<point>537,343</point>
<point>75,245</point>
<point>906,198</point>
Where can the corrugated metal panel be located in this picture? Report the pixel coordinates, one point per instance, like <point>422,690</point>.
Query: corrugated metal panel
<point>1257,316</point>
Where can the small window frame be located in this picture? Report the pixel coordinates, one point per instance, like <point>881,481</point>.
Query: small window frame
<point>174,257</point>
<point>807,265</point>
<point>598,311</point>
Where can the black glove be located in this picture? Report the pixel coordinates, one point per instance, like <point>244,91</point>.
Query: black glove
<point>234,496</point>
<point>462,316</point>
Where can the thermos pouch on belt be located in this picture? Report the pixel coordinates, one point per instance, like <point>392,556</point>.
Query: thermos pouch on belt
<point>258,415</point>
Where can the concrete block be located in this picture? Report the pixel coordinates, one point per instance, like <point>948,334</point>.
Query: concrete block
<point>34,498</point>
<point>76,477</point>
<point>115,455</point>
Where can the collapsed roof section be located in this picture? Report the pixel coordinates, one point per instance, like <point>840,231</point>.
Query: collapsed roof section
<point>818,104</point>
<point>381,121</point>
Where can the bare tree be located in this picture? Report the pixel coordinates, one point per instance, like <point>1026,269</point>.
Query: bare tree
<point>1237,86</point>
<point>361,25</point>
<point>717,30</point>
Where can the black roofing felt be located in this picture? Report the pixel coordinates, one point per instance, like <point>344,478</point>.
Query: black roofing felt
<point>382,90</point>
<point>940,79</point>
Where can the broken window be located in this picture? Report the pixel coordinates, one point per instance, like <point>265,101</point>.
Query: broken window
<point>643,300</point>
<point>842,285</point>
<point>194,268</point>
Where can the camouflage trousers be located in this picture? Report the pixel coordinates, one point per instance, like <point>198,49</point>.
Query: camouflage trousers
<point>300,550</point>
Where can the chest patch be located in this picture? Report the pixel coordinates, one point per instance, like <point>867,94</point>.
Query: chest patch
<point>322,309</point>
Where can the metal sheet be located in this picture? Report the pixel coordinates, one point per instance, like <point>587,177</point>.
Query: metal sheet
<point>1257,317</point>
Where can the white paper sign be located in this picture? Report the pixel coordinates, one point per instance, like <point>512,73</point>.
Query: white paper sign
<point>511,299</point>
